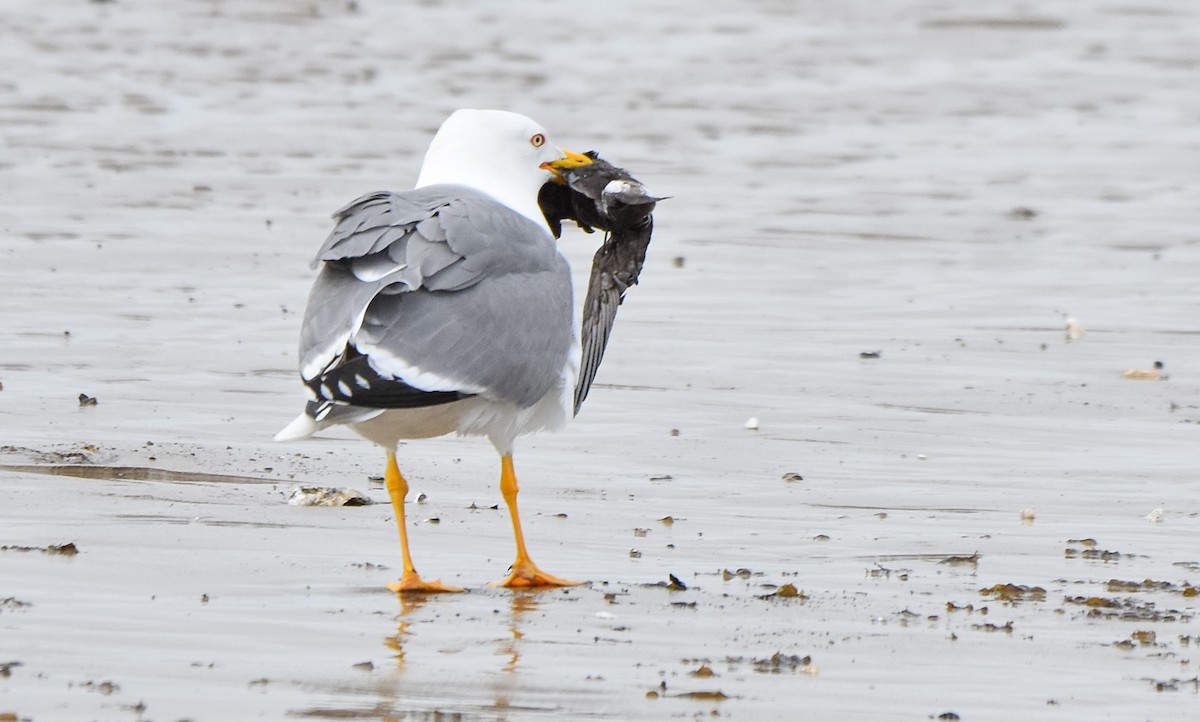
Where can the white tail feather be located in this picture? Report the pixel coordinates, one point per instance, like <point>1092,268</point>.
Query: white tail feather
<point>301,428</point>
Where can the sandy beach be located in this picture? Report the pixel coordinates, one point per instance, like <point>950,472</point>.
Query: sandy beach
<point>918,243</point>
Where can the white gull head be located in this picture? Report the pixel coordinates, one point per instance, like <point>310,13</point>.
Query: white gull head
<point>493,151</point>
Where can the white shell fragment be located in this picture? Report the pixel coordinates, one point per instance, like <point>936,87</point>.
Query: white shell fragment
<point>1073,330</point>
<point>1155,516</point>
<point>326,496</point>
<point>752,423</point>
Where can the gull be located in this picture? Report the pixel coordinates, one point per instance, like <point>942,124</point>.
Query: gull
<point>448,309</point>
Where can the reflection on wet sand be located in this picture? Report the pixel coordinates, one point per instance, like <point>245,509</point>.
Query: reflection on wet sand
<point>409,603</point>
<point>397,698</point>
<point>521,603</point>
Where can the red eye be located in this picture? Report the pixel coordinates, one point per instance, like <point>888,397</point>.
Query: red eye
<point>537,140</point>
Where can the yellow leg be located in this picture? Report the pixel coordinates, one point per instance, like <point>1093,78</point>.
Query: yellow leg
<point>410,581</point>
<point>524,572</point>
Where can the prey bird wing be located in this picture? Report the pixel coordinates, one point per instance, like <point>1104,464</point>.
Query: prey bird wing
<point>615,268</point>
<point>601,195</point>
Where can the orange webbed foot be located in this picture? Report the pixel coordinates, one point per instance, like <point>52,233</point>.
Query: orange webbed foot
<point>526,575</point>
<point>412,583</point>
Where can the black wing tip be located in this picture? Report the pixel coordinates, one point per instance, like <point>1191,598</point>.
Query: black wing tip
<point>351,381</point>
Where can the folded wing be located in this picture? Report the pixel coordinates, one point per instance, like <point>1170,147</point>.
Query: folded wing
<point>430,296</point>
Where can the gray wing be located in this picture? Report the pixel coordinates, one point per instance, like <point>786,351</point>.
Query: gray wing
<point>431,295</point>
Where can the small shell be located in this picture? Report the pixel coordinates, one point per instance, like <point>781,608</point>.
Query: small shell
<point>1156,372</point>
<point>1073,330</point>
<point>325,496</point>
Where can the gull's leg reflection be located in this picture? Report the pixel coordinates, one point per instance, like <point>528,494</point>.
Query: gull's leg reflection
<point>409,603</point>
<point>521,604</point>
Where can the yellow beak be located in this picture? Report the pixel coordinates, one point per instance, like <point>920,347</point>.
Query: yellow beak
<point>568,161</point>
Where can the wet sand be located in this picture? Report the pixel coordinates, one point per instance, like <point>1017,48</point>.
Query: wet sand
<point>987,520</point>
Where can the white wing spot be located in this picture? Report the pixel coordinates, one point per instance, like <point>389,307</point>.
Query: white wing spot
<point>617,186</point>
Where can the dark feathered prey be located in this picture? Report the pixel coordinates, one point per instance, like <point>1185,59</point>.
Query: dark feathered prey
<point>601,195</point>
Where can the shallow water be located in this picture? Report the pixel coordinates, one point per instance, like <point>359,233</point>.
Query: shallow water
<point>943,186</point>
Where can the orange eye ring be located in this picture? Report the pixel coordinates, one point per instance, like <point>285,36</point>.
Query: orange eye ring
<point>537,140</point>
